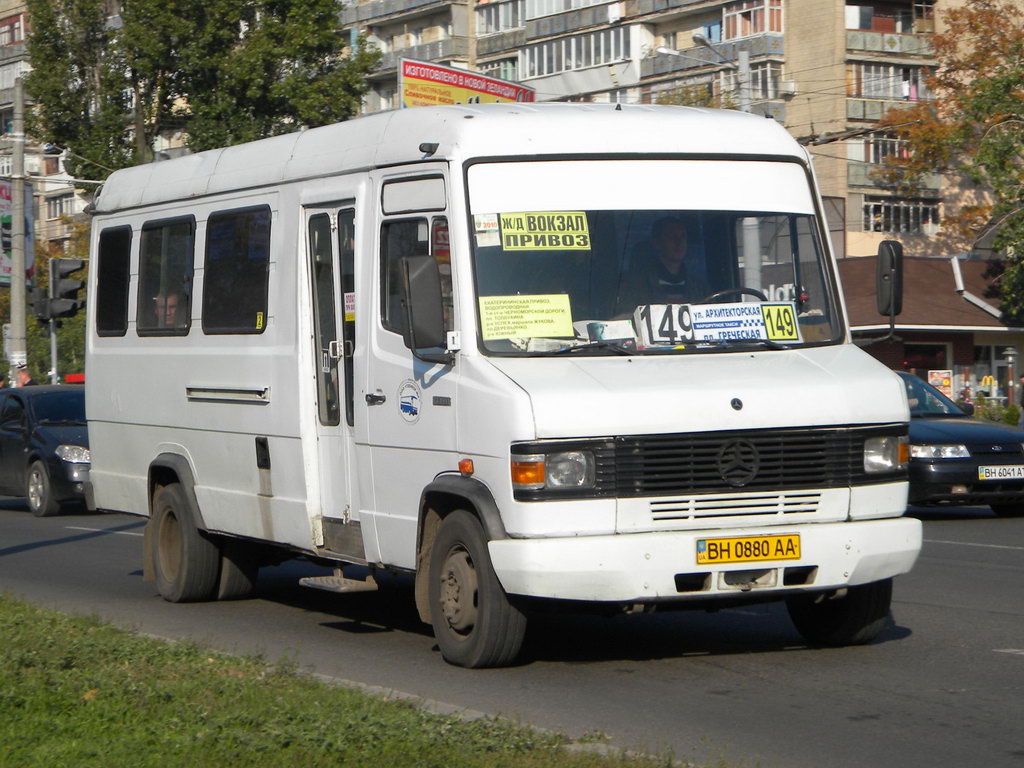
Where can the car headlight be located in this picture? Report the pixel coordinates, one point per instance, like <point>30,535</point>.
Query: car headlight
<point>885,454</point>
<point>939,452</point>
<point>565,470</point>
<point>75,454</point>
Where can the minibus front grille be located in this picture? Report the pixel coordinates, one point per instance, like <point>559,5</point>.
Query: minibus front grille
<point>682,465</point>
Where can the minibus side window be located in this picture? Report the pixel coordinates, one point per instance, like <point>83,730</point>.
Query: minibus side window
<point>347,252</point>
<point>325,324</point>
<point>112,281</point>
<point>166,252</point>
<point>407,237</point>
<point>236,271</point>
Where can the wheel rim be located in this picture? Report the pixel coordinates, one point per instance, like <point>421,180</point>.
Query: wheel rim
<point>459,591</point>
<point>35,489</point>
<point>169,546</point>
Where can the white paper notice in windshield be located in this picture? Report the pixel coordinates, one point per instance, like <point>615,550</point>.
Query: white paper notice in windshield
<point>690,323</point>
<point>526,317</point>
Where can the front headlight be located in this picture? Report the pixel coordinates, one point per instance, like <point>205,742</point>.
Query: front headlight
<point>885,454</point>
<point>939,452</point>
<point>564,470</point>
<point>74,454</point>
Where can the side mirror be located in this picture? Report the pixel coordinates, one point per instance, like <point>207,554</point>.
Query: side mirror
<point>423,309</point>
<point>967,408</point>
<point>889,278</point>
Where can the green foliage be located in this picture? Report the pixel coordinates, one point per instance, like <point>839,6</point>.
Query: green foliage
<point>221,71</point>
<point>995,411</point>
<point>75,692</point>
<point>695,96</point>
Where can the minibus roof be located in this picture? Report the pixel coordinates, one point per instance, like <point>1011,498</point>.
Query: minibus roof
<point>460,132</point>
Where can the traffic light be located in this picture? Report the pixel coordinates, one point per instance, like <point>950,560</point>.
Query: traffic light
<point>64,301</point>
<point>38,303</point>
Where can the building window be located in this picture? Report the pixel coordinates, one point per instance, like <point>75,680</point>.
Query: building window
<point>764,81</point>
<point>537,8</point>
<point>890,17</point>
<point>879,147</point>
<point>492,18</point>
<point>893,214</point>
<point>12,30</point>
<point>62,205</point>
<point>576,52</point>
<point>504,69</point>
<point>752,17</point>
<point>11,72</point>
<point>887,81</point>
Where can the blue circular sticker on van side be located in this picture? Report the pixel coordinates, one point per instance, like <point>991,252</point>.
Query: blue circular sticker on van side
<point>409,400</point>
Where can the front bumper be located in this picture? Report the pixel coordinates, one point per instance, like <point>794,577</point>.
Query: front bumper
<point>955,481</point>
<point>661,566</point>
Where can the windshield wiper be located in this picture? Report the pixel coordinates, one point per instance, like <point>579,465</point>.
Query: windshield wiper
<point>740,343</point>
<point>621,347</point>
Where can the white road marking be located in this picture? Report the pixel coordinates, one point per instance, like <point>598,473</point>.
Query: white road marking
<point>102,530</point>
<point>1014,651</point>
<point>971,544</point>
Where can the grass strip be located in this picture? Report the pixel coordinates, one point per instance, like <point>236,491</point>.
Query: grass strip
<point>77,692</point>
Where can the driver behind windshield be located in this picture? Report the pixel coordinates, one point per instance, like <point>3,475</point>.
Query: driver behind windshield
<point>663,275</point>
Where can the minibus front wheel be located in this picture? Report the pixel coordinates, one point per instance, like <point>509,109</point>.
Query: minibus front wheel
<point>474,622</point>
<point>853,616</point>
<point>186,562</point>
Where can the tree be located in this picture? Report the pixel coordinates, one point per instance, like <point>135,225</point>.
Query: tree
<point>220,71</point>
<point>974,126</point>
<point>697,95</point>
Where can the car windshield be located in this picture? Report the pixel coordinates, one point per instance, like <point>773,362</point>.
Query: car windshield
<point>595,258</point>
<point>60,407</point>
<point>925,400</point>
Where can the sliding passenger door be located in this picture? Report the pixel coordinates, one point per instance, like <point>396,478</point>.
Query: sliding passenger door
<point>330,237</point>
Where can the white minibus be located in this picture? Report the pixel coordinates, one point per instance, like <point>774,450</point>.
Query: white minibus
<point>544,355</point>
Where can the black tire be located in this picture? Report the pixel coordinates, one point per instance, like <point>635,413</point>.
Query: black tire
<point>186,562</point>
<point>1008,510</point>
<point>39,492</point>
<point>855,618</point>
<point>474,623</point>
<point>239,570</point>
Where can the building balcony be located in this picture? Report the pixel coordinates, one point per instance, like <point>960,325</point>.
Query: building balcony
<point>360,13</point>
<point>863,175</point>
<point>872,109</point>
<point>769,44</point>
<point>13,52</point>
<point>510,41</point>
<point>645,7</point>
<point>572,21</point>
<point>889,44</point>
<point>440,50</point>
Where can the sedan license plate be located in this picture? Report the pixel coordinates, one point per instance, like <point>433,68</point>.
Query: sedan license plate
<point>748,549</point>
<point>1006,472</point>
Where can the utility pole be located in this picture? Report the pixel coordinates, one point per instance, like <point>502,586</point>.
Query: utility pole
<point>743,74</point>
<point>18,351</point>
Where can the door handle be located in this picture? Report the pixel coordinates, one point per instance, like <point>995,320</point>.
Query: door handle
<point>375,398</point>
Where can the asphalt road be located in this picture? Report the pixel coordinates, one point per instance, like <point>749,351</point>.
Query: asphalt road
<point>943,685</point>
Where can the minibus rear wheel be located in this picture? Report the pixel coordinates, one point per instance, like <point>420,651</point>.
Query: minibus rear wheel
<point>854,618</point>
<point>474,622</point>
<point>186,562</point>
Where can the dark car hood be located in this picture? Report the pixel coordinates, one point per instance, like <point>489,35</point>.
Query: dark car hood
<point>969,431</point>
<point>63,434</point>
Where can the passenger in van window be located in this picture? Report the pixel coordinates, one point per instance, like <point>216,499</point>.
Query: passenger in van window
<point>663,275</point>
<point>171,310</point>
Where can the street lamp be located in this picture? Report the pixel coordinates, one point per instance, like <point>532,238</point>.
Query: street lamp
<point>742,68</point>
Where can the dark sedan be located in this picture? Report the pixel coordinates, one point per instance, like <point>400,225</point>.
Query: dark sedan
<point>44,448</point>
<point>957,459</point>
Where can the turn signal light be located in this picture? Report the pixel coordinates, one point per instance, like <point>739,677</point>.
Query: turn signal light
<point>528,472</point>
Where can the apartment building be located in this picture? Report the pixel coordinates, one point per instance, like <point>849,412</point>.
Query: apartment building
<point>827,69</point>
<point>54,197</point>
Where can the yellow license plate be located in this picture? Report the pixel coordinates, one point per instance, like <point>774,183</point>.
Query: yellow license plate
<point>748,549</point>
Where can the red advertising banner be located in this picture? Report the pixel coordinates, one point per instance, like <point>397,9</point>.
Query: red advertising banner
<point>422,84</point>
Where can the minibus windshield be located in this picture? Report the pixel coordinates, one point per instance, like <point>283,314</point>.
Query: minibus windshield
<point>720,255</point>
